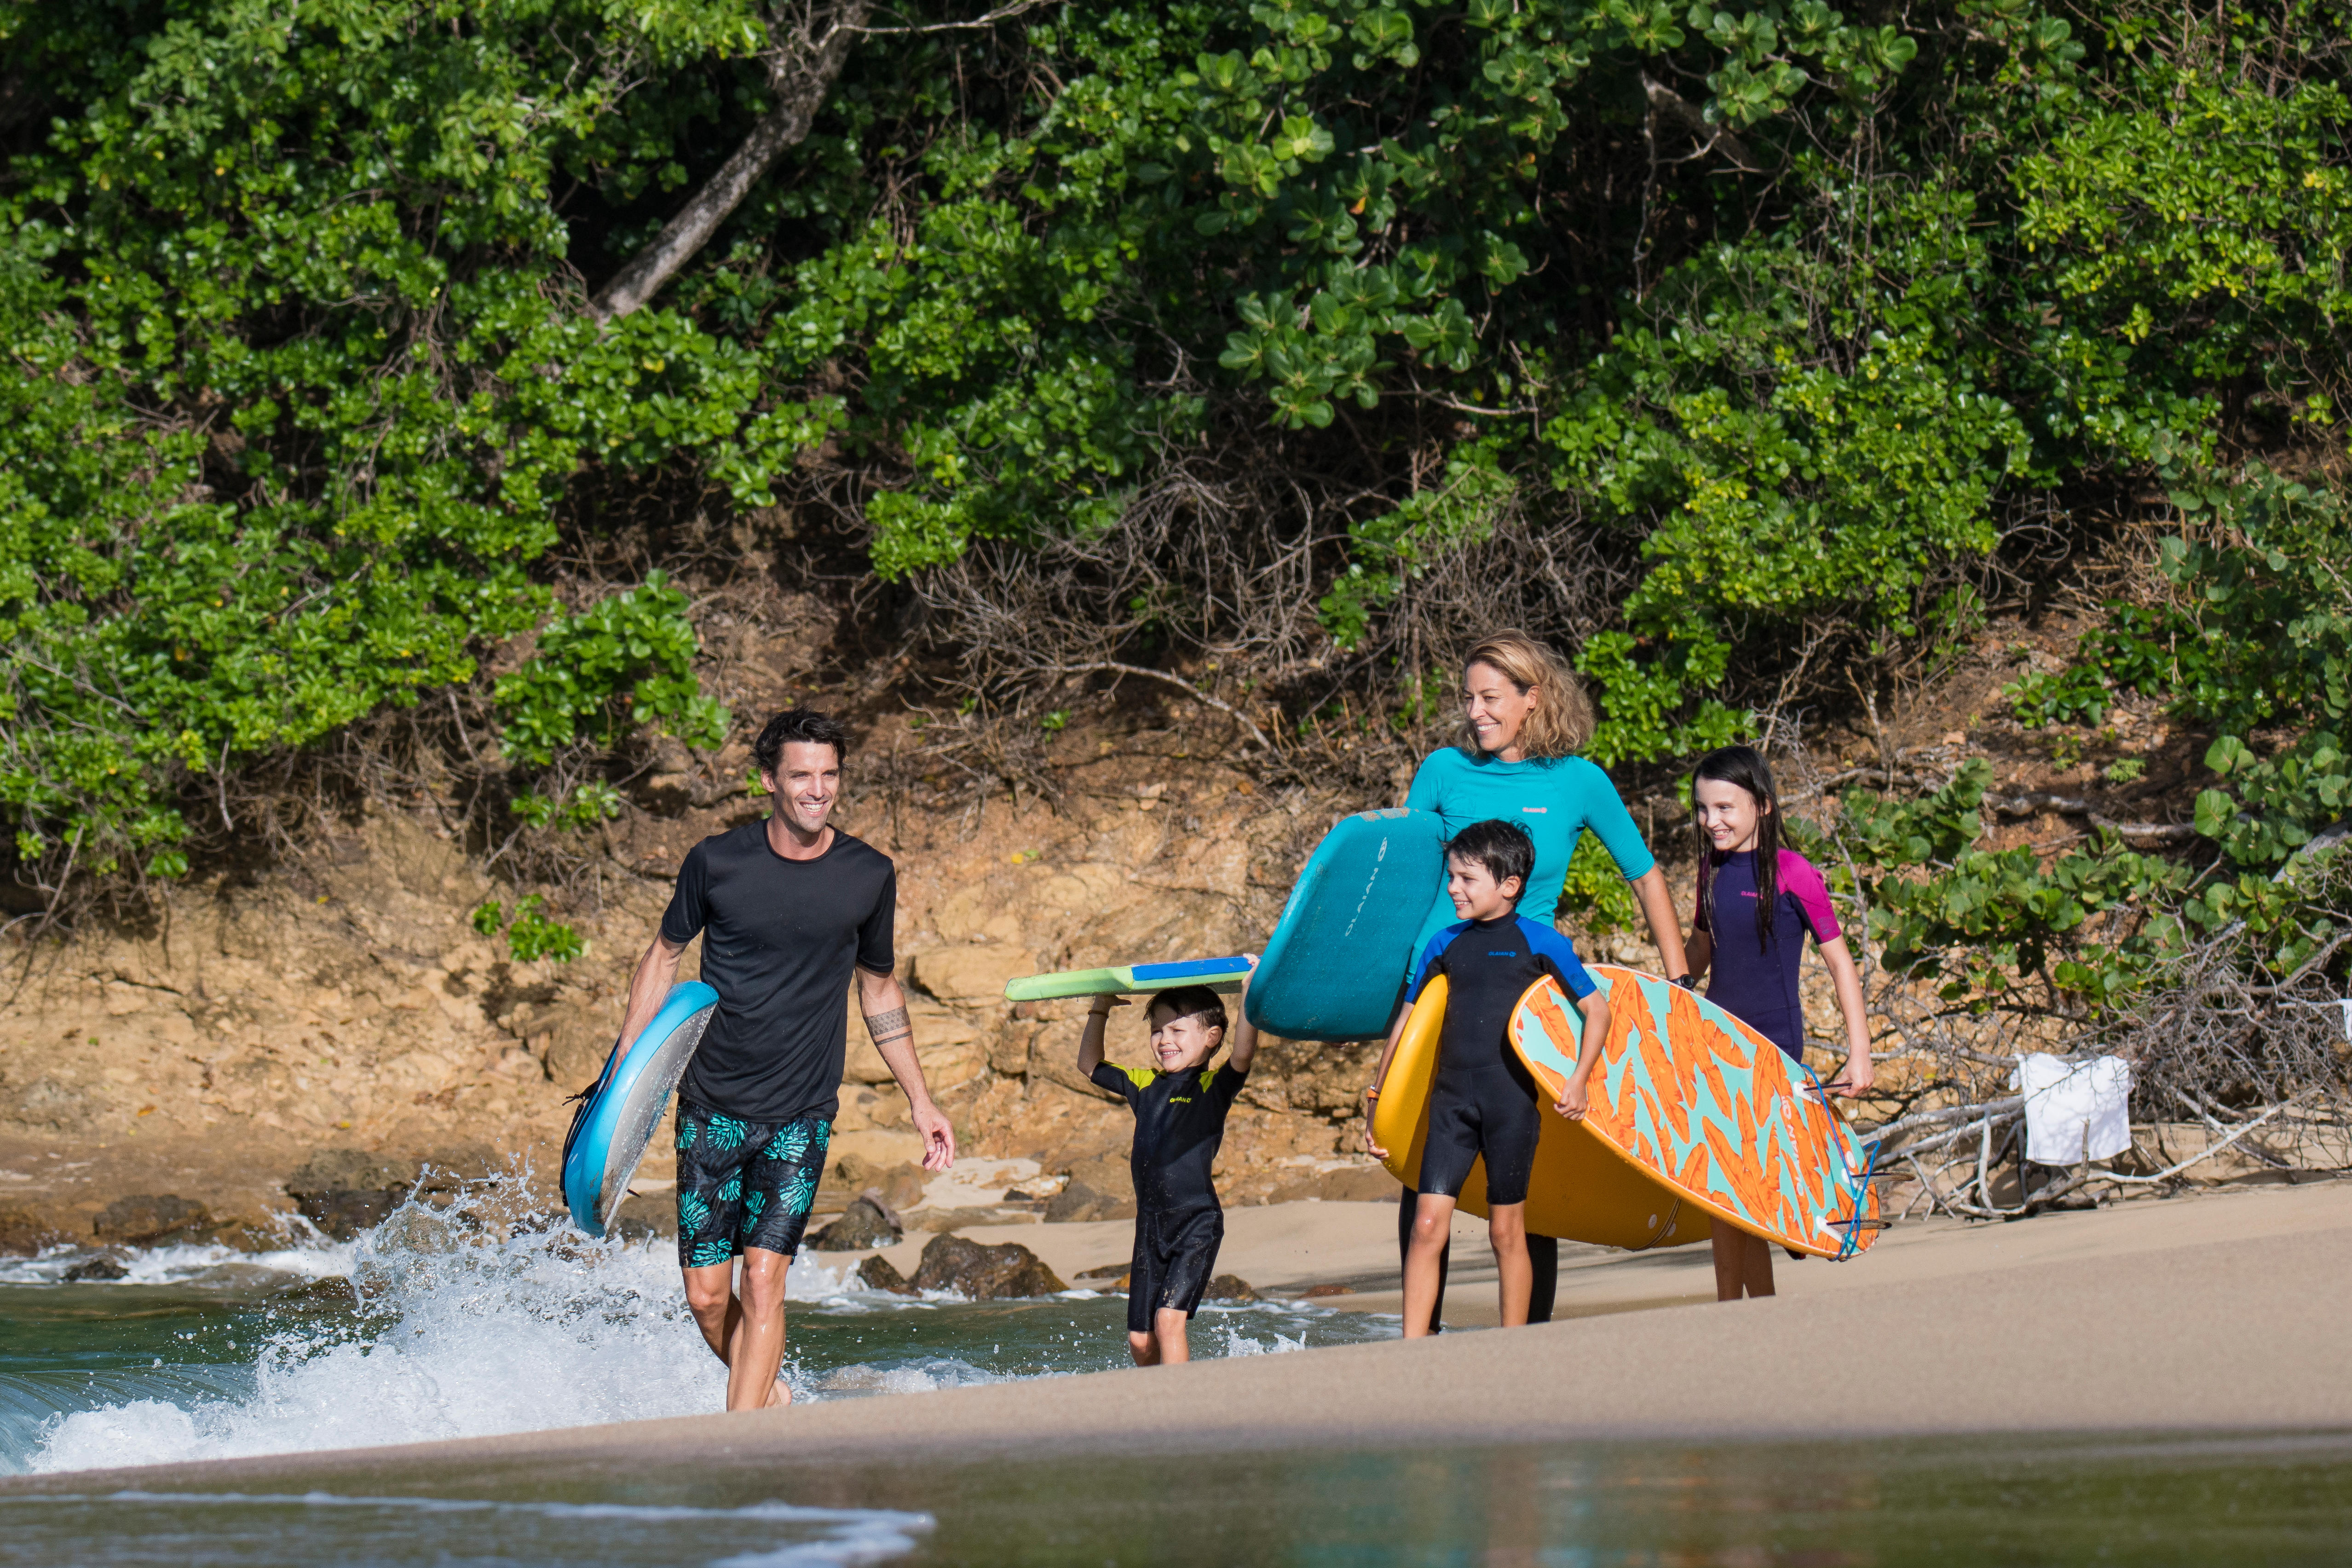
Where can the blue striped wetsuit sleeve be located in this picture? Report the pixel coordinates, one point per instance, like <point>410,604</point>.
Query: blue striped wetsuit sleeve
<point>1426,964</point>
<point>1596,800</point>
<point>1547,943</point>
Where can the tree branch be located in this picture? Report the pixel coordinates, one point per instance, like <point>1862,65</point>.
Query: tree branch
<point>1235,715</point>
<point>802,66</point>
<point>1001,14</point>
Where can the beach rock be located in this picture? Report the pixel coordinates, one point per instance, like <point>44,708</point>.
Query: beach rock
<point>1348,1184</point>
<point>864,1224</point>
<point>100,1268</point>
<point>248,1235</point>
<point>1229,1287</point>
<point>877,1274</point>
<point>974,974</point>
<point>148,1219</point>
<point>346,1191</point>
<point>1097,1189</point>
<point>1313,1292</point>
<point>983,1273</point>
<point>1104,1271</point>
<point>898,1186</point>
<point>24,1234</point>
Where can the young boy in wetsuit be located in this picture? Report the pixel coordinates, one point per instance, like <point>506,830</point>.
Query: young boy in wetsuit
<point>1485,1100</point>
<point>1180,1104</point>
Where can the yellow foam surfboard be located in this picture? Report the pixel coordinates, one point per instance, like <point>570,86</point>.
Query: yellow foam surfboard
<point>1695,1119</point>
<point>1581,1190</point>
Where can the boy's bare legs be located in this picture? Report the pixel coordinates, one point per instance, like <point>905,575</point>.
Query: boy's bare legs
<point>1514,1274</point>
<point>1167,1344</point>
<point>1743,1263</point>
<point>1433,1224</point>
<point>746,1332</point>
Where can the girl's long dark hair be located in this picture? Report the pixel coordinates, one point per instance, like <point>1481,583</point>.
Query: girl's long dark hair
<point>1744,766</point>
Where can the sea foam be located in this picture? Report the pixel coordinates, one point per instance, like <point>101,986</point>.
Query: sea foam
<point>472,1323</point>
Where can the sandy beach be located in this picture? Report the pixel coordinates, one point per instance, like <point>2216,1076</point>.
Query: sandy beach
<point>2213,1312</point>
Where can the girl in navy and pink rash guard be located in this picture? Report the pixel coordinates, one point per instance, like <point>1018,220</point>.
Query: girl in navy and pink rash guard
<point>1757,903</point>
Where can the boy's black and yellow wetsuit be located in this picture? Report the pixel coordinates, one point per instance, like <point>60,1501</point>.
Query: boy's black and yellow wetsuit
<point>1180,1121</point>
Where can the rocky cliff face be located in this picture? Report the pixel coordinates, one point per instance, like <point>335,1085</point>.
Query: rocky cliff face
<point>348,1007</point>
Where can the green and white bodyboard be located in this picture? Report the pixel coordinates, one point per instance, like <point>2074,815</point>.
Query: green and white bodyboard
<point>1225,975</point>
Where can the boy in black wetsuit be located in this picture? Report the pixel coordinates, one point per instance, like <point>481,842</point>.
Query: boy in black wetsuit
<point>1180,1105</point>
<point>1485,1100</point>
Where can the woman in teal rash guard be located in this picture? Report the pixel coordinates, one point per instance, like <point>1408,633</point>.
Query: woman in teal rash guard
<point>1526,716</point>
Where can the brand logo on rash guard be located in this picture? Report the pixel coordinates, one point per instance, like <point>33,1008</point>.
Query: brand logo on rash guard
<point>1539,810</point>
<point>1506,952</point>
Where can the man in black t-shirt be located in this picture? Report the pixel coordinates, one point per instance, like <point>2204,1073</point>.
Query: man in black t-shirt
<point>788,910</point>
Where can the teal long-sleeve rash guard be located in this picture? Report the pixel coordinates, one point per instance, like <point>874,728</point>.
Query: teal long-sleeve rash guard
<point>1554,798</point>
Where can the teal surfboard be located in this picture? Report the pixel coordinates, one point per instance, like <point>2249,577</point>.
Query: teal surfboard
<point>1335,967</point>
<point>616,1119</point>
<point>1130,979</point>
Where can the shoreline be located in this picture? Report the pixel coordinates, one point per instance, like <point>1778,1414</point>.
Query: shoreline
<point>2212,1314</point>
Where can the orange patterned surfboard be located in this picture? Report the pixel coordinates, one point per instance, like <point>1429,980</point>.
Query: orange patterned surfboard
<point>1695,1117</point>
<point>1689,1094</point>
<point>1582,1191</point>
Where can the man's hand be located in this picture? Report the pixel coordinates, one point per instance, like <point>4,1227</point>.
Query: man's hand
<point>1573,1100</point>
<point>938,1136</point>
<point>885,1007</point>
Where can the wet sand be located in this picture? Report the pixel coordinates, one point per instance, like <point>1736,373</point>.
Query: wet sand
<point>2214,1312</point>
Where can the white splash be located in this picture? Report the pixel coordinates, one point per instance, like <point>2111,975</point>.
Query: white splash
<point>470,1326</point>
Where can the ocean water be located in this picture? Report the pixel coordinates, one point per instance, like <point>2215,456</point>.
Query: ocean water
<point>2279,1501</point>
<point>481,1318</point>
<point>476,1320</point>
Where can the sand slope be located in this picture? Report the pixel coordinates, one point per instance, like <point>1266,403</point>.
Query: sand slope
<point>2213,1312</point>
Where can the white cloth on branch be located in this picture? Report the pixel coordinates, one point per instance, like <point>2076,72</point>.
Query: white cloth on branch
<point>2074,1110</point>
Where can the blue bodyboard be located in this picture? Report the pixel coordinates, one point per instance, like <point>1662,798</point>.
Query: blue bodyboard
<point>618,1117</point>
<point>1336,964</point>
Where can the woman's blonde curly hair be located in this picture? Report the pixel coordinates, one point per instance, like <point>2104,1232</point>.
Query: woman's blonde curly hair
<point>1562,719</point>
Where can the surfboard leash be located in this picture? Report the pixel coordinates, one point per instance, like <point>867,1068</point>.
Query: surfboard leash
<point>1850,1229</point>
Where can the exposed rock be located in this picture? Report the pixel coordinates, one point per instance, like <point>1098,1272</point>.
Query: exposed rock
<point>99,1268</point>
<point>899,1186</point>
<point>346,1191</point>
<point>573,1040</point>
<point>1229,1287</point>
<point>864,1224</point>
<point>972,973</point>
<point>1313,1292</point>
<point>1054,1058</point>
<point>147,1219</point>
<point>877,1274</point>
<point>1097,1189</point>
<point>24,1235</point>
<point>1350,1183</point>
<point>1105,1271</point>
<point>983,1273</point>
<point>54,1106</point>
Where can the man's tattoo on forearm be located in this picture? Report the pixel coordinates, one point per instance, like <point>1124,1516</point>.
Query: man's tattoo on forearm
<point>889,1029</point>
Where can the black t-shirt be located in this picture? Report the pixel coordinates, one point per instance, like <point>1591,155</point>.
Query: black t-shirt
<point>779,941</point>
<point>1180,1121</point>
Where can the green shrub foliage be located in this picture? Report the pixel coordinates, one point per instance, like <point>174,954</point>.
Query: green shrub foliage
<point>1789,317</point>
